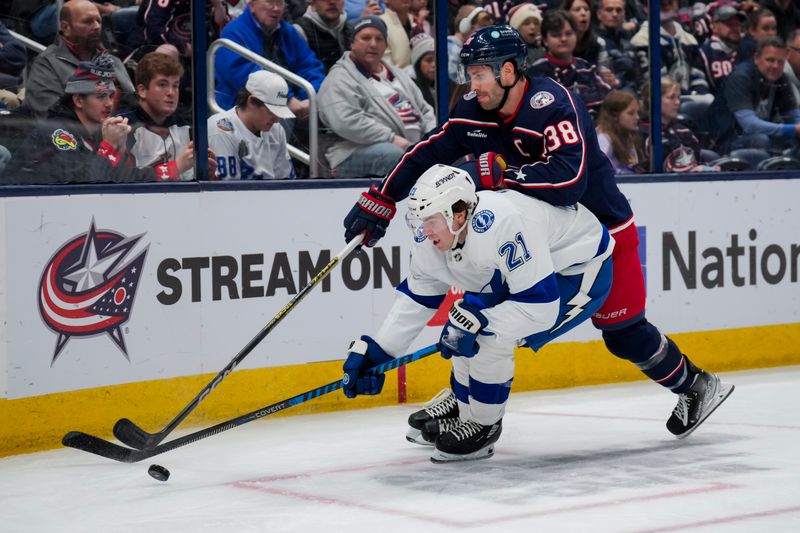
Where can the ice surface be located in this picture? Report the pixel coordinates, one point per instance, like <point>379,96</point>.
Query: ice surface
<point>592,459</point>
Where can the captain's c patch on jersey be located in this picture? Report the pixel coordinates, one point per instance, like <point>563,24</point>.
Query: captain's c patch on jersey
<point>482,221</point>
<point>542,99</point>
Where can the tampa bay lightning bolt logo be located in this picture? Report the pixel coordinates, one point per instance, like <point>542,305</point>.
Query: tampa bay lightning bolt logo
<point>88,286</point>
<point>419,235</point>
<point>482,221</point>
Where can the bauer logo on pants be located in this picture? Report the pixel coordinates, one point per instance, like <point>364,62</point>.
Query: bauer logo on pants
<point>88,287</point>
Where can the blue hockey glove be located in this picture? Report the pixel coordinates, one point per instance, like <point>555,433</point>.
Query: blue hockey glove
<point>464,323</point>
<point>371,216</point>
<point>362,355</point>
<point>487,171</point>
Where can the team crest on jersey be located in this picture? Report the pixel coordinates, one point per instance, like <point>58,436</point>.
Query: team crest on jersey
<point>542,99</point>
<point>470,95</point>
<point>64,140</point>
<point>225,124</point>
<point>482,221</point>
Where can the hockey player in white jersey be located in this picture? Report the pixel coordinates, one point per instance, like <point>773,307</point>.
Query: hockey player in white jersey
<point>247,139</point>
<point>531,271</point>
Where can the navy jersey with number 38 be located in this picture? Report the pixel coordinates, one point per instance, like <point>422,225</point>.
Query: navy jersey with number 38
<point>549,143</point>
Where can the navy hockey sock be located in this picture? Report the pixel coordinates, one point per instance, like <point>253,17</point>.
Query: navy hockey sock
<point>656,355</point>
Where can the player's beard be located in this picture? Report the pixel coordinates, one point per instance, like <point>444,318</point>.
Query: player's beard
<point>492,100</point>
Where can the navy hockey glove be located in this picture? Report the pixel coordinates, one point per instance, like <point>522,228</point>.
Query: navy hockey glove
<point>464,323</point>
<point>371,216</point>
<point>362,355</point>
<point>487,171</point>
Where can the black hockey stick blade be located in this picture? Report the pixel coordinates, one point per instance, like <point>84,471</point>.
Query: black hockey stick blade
<point>134,436</point>
<point>97,446</point>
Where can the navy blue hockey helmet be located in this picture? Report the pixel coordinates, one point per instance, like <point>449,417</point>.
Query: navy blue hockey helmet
<point>493,46</point>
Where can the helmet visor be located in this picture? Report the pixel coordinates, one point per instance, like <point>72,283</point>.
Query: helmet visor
<point>431,225</point>
<point>483,73</point>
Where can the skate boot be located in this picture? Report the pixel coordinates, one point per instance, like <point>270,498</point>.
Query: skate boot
<point>706,394</point>
<point>443,405</point>
<point>466,442</point>
<point>437,426</point>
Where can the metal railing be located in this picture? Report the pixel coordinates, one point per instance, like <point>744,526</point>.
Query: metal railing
<point>312,159</point>
<point>28,42</point>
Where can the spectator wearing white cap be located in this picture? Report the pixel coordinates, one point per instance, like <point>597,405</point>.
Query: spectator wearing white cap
<point>423,67</point>
<point>373,107</point>
<point>469,18</point>
<point>527,20</point>
<point>248,140</point>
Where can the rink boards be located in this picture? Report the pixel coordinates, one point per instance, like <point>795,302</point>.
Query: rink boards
<point>126,302</point>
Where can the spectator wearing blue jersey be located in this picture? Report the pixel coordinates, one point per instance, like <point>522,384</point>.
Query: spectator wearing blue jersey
<point>261,29</point>
<point>756,108</point>
<point>559,32</point>
<point>720,52</point>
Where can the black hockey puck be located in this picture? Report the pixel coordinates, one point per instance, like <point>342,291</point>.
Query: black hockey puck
<point>158,472</point>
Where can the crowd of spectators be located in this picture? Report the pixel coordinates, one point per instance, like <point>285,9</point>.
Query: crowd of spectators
<point>109,99</point>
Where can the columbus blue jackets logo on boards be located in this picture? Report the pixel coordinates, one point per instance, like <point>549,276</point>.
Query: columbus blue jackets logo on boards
<point>482,221</point>
<point>88,286</point>
<point>542,99</point>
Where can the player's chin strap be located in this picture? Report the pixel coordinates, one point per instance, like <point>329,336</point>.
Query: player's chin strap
<point>507,89</point>
<point>458,232</point>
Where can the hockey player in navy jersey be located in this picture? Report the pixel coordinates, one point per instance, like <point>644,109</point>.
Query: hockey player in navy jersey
<point>533,136</point>
<point>531,271</point>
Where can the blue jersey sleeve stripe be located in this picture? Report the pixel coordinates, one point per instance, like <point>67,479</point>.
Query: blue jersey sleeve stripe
<point>545,291</point>
<point>603,246</point>
<point>431,302</point>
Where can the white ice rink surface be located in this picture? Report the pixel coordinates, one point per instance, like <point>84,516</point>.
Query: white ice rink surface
<point>591,459</point>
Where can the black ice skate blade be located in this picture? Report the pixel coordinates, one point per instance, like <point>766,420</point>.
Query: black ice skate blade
<point>440,457</point>
<point>722,397</point>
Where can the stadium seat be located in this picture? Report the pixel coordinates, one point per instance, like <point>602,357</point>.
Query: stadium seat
<point>731,164</point>
<point>780,162</point>
<point>754,156</point>
<point>695,114</point>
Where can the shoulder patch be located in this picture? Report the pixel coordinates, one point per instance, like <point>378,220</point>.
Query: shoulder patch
<point>225,124</point>
<point>419,236</point>
<point>542,99</point>
<point>482,221</point>
<point>64,140</point>
<point>470,95</point>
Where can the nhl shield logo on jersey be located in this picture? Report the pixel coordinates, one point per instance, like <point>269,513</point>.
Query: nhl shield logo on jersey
<point>482,221</point>
<point>88,287</point>
<point>225,124</point>
<point>542,99</point>
<point>64,140</point>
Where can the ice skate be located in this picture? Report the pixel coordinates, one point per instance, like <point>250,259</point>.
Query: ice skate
<point>443,405</point>
<point>437,426</point>
<point>705,395</point>
<point>467,441</point>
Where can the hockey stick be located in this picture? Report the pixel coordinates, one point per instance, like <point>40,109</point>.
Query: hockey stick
<point>104,448</point>
<point>134,436</point>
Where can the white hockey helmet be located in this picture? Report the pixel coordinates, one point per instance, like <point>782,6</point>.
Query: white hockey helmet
<point>436,191</point>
